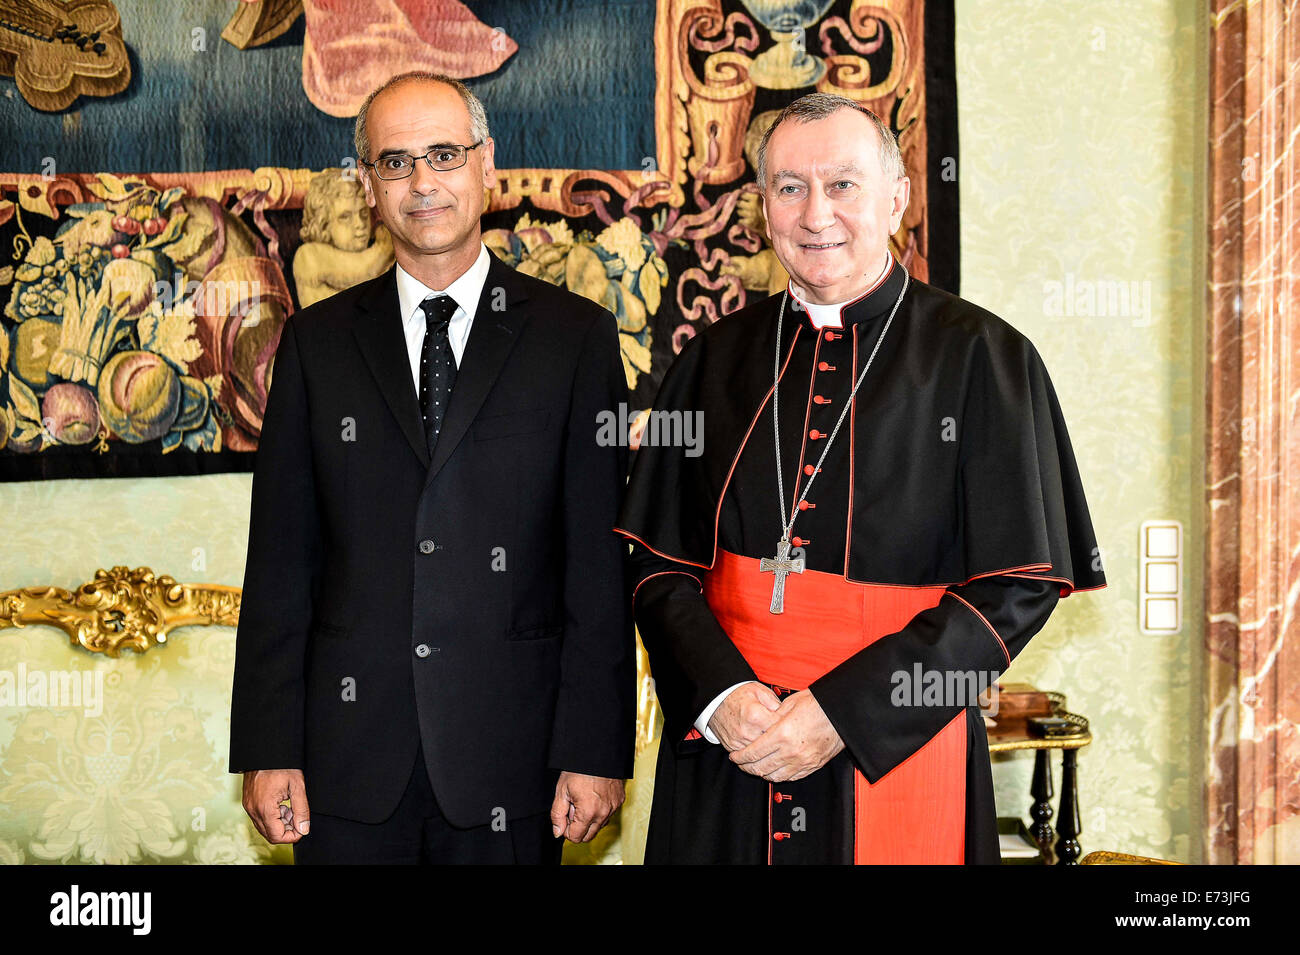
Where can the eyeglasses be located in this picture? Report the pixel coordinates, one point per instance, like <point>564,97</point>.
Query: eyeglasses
<point>439,158</point>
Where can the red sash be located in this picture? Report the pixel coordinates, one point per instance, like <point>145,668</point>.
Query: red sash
<point>915,814</point>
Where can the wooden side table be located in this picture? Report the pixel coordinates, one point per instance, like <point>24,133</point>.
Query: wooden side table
<point>1013,734</point>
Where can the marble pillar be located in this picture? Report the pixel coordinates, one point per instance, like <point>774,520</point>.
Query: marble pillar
<point>1252,674</point>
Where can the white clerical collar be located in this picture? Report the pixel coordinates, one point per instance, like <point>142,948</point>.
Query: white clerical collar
<point>832,316</point>
<point>465,290</point>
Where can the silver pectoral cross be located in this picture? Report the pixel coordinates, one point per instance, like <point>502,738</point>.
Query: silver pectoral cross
<point>780,565</point>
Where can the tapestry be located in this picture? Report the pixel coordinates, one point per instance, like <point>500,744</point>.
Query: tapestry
<point>177,178</point>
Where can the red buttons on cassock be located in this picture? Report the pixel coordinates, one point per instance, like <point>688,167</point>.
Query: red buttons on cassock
<point>824,366</point>
<point>819,400</point>
<point>815,434</point>
<point>778,836</point>
<point>809,470</point>
<point>800,541</point>
<point>777,797</point>
<point>831,336</point>
<point>804,505</point>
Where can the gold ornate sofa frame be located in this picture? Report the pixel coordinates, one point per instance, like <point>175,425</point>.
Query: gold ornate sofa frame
<point>136,609</point>
<point>121,608</point>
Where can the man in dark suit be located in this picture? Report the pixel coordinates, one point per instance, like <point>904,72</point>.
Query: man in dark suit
<point>434,640</point>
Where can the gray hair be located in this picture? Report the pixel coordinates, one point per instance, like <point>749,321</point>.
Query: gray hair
<point>816,106</point>
<point>478,124</point>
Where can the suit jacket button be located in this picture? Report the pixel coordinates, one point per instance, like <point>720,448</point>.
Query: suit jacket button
<point>426,547</point>
<point>422,650</point>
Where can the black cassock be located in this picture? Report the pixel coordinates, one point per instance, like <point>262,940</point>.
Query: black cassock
<point>963,478</point>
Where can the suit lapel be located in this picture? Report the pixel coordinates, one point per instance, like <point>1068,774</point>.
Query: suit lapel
<point>383,345</point>
<point>497,323</point>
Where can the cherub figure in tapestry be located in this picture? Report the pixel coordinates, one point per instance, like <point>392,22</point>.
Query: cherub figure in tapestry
<point>337,251</point>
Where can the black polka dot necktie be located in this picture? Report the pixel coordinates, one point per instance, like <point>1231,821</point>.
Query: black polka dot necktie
<point>437,364</point>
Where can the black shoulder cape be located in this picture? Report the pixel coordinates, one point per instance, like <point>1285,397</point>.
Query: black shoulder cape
<point>963,466</point>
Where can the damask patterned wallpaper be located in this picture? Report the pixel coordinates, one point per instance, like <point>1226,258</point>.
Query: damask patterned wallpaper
<point>1083,152</point>
<point>1081,128</point>
<point>145,781</point>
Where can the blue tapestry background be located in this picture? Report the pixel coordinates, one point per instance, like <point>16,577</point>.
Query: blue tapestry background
<point>225,108</point>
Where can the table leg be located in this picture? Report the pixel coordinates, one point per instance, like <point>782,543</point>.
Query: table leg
<point>1069,825</point>
<point>1041,810</point>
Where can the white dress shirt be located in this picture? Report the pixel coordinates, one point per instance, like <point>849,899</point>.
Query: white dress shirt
<point>465,291</point>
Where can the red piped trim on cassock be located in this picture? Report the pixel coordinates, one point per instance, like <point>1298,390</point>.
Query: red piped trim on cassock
<point>985,621</point>
<point>665,573</point>
<point>722,495</point>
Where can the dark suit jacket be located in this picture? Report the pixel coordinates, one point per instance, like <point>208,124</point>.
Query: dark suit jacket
<point>475,601</point>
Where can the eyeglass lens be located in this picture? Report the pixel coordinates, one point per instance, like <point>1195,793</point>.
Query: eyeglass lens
<point>442,159</point>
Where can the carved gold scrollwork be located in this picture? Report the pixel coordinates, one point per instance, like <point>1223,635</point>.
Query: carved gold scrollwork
<point>717,111</point>
<point>850,75</point>
<point>1101,857</point>
<point>561,190</point>
<point>284,188</point>
<point>700,121</point>
<point>137,609</point>
<point>121,608</point>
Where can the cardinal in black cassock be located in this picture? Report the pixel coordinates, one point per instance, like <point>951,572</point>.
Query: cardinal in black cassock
<point>933,532</point>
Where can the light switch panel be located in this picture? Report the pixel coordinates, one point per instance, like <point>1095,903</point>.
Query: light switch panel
<point>1160,577</point>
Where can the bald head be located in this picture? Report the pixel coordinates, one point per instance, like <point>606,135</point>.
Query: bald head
<point>421,81</point>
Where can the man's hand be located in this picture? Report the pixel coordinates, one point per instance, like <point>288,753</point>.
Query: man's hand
<point>264,790</point>
<point>800,741</point>
<point>744,715</point>
<point>583,804</point>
